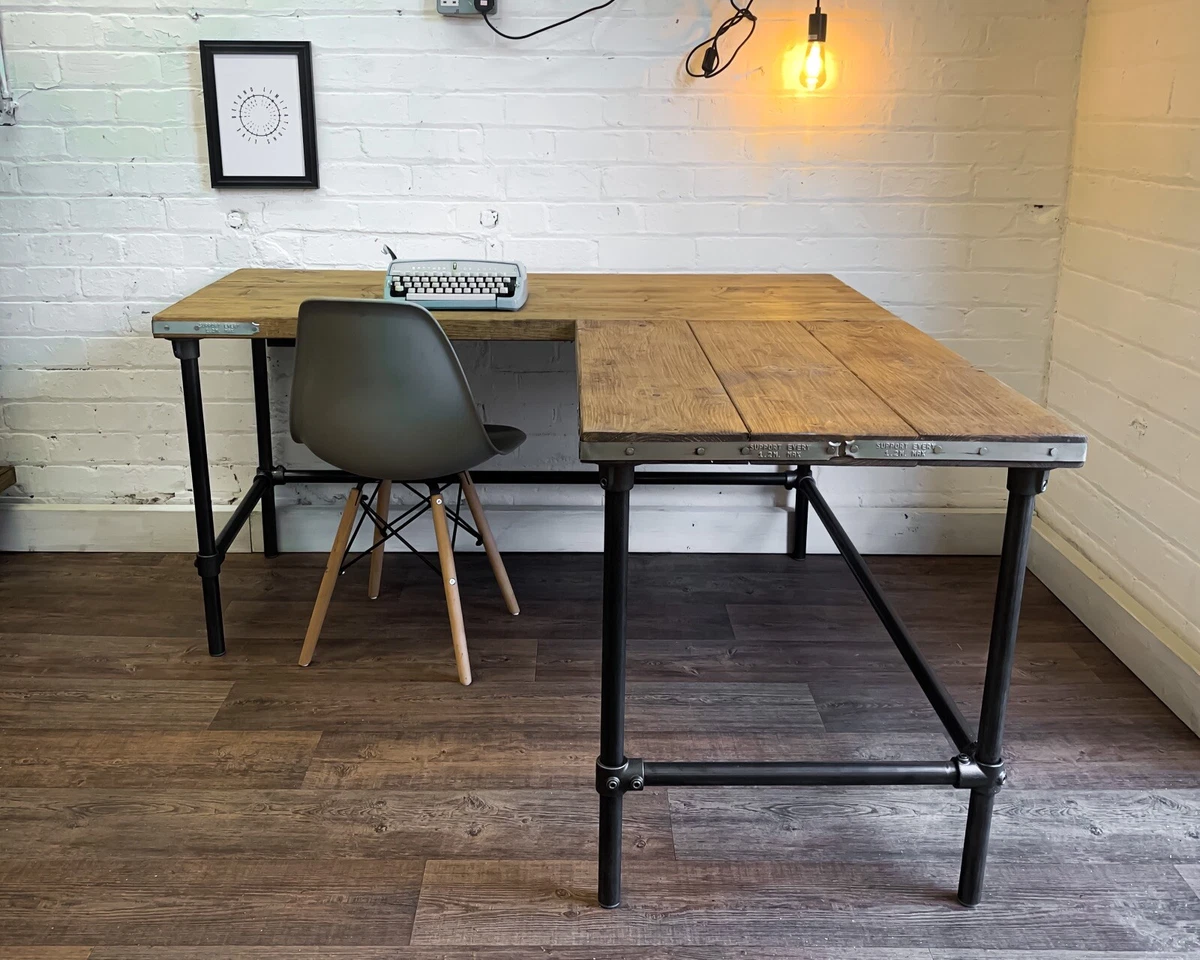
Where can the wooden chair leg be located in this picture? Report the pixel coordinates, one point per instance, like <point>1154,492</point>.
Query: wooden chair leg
<point>341,541</point>
<point>458,631</point>
<point>383,503</point>
<point>489,543</point>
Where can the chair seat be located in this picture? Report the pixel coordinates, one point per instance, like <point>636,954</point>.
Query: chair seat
<point>504,439</point>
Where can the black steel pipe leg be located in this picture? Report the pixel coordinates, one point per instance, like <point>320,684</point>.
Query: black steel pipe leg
<point>799,520</point>
<point>266,456</point>
<point>208,558</point>
<point>608,889</point>
<point>617,481</point>
<point>1023,487</point>
<point>974,859</point>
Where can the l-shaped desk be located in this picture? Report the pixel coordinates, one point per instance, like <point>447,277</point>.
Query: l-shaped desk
<point>791,370</point>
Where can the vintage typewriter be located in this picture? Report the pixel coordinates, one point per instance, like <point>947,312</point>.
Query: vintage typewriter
<point>457,284</point>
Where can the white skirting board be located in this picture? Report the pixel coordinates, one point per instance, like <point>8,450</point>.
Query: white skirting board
<point>653,529</point>
<point>111,527</point>
<point>1159,657</point>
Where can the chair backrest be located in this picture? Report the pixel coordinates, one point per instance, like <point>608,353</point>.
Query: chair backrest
<point>378,390</point>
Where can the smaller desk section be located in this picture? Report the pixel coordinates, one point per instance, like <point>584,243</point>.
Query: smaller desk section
<point>819,391</point>
<point>828,390</point>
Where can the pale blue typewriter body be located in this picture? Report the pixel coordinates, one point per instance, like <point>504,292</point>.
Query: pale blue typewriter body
<point>457,284</point>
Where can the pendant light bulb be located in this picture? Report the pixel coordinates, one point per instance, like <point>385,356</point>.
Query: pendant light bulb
<point>812,67</point>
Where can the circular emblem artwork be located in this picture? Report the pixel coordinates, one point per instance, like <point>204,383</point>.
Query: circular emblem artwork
<point>261,115</point>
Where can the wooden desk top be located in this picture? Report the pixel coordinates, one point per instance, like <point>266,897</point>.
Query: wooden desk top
<point>677,368</point>
<point>271,299</point>
<point>876,391</point>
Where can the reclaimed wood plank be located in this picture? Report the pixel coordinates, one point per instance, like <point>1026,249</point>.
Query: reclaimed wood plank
<point>934,389</point>
<point>787,386</point>
<point>649,380</point>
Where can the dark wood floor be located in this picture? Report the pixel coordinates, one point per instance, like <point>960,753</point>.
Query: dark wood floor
<point>158,804</point>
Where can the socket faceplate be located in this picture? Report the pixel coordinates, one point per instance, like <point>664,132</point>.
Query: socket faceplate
<point>457,8</point>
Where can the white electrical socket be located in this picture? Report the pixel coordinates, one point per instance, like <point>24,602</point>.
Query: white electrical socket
<point>457,8</point>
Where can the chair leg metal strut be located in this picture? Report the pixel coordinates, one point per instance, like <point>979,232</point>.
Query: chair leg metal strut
<point>978,766</point>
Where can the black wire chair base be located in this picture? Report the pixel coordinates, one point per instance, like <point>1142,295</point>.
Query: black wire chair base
<point>390,529</point>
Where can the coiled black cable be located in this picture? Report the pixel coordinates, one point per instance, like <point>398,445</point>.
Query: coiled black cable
<point>710,64</point>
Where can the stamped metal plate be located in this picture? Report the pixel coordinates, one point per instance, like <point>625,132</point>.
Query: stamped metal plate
<point>848,451</point>
<point>204,328</point>
<point>1005,451</point>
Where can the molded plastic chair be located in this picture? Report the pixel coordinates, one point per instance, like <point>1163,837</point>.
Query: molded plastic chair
<point>378,391</point>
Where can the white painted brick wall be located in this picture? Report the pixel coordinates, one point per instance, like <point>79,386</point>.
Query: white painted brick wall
<point>1126,352</point>
<point>931,176</point>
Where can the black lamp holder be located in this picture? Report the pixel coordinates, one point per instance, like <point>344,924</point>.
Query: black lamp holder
<point>818,24</point>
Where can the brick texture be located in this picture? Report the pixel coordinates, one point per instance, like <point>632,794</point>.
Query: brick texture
<point>1126,351</point>
<point>931,175</point>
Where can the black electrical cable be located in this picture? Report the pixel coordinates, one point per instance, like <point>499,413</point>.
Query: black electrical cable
<point>550,26</point>
<point>710,64</point>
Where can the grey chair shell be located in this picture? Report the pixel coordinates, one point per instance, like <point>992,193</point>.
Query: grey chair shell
<point>379,391</point>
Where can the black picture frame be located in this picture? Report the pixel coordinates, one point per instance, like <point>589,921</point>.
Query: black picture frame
<point>302,51</point>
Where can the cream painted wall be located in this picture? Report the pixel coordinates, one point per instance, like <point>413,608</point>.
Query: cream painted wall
<point>1125,359</point>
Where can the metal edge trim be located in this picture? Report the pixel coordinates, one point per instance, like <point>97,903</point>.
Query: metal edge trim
<point>847,452</point>
<point>204,328</point>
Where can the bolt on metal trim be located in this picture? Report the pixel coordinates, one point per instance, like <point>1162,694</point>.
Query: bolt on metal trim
<point>850,450</point>
<point>203,328</point>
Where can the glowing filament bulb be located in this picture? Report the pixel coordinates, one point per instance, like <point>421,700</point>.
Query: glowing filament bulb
<point>812,69</point>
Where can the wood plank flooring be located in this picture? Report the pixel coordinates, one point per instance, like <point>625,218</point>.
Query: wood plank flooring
<point>156,804</point>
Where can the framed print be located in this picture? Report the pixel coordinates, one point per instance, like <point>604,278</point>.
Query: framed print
<point>258,112</point>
